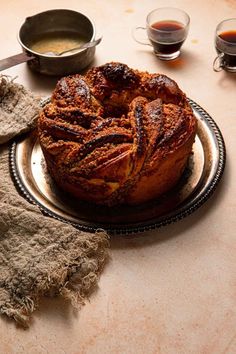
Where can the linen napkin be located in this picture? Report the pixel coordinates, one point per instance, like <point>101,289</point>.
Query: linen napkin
<point>39,256</point>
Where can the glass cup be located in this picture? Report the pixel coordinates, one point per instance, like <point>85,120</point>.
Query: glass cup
<point>166,29</point>
<point>225,44</point>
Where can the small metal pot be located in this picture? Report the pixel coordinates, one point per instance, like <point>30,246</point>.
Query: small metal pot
<point>48,22</point>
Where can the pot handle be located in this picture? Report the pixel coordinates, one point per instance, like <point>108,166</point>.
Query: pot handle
<point>14,60</point>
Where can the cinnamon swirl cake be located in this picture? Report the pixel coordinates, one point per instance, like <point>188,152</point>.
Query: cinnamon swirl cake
<point>116,135</point>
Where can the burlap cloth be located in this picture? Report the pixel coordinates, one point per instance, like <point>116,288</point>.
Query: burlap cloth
<point>38,255</point>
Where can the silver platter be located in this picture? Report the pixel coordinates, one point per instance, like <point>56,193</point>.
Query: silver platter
<point>204,171</point>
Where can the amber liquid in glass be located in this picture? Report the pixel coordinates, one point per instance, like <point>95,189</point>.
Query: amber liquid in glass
<point>227,46</point>
<point>165,27</point>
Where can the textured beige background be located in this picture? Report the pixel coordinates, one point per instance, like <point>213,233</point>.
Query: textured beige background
<point>171,290</point>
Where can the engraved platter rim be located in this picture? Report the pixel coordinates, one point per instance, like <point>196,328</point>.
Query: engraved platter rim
<point>29,174</point>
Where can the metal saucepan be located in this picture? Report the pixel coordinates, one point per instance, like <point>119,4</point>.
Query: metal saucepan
<point>47,23</point>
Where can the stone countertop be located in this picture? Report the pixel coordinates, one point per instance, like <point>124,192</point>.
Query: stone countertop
<point>171,290</point>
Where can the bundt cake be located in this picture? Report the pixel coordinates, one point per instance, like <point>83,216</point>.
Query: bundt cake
<point>116,135</point>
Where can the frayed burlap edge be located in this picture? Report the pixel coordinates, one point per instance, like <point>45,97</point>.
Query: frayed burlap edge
<point>18,109</point>
<point>74,278</point>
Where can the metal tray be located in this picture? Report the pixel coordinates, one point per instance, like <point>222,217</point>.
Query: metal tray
<point>204,170</point>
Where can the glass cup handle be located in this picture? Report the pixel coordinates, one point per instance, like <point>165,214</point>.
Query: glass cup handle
<point>218,63</point>
<point>140,40</point>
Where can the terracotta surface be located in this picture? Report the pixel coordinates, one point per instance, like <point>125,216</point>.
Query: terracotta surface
<point>172,290</point>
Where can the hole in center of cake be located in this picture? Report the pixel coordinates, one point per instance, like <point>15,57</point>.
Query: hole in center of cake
<point>116,111</point>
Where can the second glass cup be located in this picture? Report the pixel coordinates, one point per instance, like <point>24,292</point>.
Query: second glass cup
<point>166,29</point>
<point>225,44</point>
